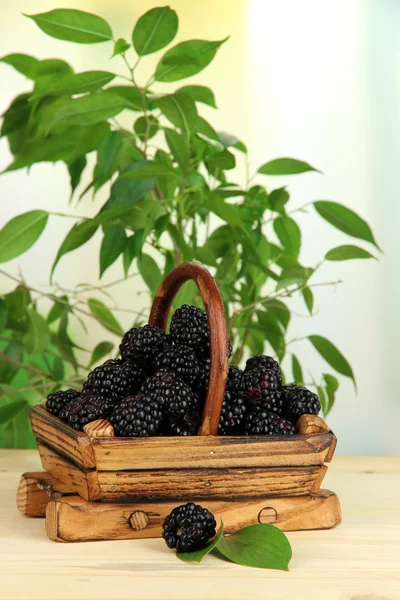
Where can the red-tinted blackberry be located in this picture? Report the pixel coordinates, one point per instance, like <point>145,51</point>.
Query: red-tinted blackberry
<point>186,425</point>
<point>189,327</point>
<point>91,409</point>
<point>261,422</point>
<point>232,417</point>
<point>188,527</point>
<point>70,407</point>
<point>257,385</point>
<point>143,343</point>
<point>137,417</point>
<point>56,401</point>
<point>180,360</point>
<point>299,401</point>
<point>171,392</point>
<point>267,362</point>
<point>115,379</point>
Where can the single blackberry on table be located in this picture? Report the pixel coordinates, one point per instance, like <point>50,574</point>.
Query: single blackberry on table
<point>186,425</point>
<point>232,417</point>
<point>115,379</point>
<point>259,385</point>
<point>299,401</point>
<point>91,409</point>
<point>56,401</point>
<point>261,422</point>
<point>143,343</point>
<point>171,392</point>
<point>267,362</point>
<point>189,527</point>
<point>189,327</point>
<point>180,360</point>
<point>136,416</point>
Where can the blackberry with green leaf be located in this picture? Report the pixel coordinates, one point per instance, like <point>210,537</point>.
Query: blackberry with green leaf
<point>56,401</point>
<point>189,527</point>
<point>142,344</point>
<point>260,421</point>
<point>299,401</point>
<point>136,416</point>
<point>174,395</point>
<point>180,360</point>
<point>267,362</point>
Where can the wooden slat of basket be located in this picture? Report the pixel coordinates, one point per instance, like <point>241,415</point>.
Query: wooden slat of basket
<point>35,490</point>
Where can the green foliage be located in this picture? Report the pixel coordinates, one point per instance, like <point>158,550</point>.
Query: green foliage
<point>171,198</point>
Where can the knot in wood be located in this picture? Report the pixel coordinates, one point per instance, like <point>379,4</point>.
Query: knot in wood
<point>267,515</point>
<point>138,520</point>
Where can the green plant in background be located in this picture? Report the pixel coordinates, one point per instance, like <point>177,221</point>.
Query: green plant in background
<point>171,199</point>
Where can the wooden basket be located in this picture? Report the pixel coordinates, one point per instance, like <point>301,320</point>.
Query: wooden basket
<point>97,486</point>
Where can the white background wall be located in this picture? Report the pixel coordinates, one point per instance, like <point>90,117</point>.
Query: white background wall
<point>319,81</point>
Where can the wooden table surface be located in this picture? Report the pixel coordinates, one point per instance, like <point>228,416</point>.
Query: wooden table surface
<point>360,560</point>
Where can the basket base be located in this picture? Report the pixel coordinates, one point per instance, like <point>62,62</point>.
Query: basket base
<point>70,518</point>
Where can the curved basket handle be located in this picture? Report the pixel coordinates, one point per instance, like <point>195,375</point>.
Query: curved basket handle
<point>218,333</point>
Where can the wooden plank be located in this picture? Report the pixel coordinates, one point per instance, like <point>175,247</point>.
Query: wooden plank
<point>72,519</point>
<point>73,444</point>
<point>83,483</point>
<point>185,484</point>
<point>119,454</point>
<point>99,428</point>
<point>332,448</point>
<point>311,424</point>
<point>35,490</point>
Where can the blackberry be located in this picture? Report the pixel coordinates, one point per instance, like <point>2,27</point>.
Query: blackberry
<point>232,417</point>
<point>261,422</point>
<point>180,360</point>
<point>259,385</point>
<point>70,407</point>
<point>234,378</point>
<point>186,425</point>
<point>188,527</point>
<point>136,417</point>
<point>203,351</point>
<point>114,379</point>
<point>299,401</point>
<point>232,383</point>
<point>91,409</point>
<point>189,327</point>
<point>267,362</point>
<point>171,392</point>
<point>56,401</point>
<point>143,343</point>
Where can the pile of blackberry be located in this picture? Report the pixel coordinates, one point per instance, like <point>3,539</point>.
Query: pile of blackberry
<point>159,386</point>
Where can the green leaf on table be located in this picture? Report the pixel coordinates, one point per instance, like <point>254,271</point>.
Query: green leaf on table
<point>150,272</point>
<point>37,337</point>
<point>10,411</point>
<point>285,166</point>
<point>69,84</point>
<point>24,63</point>
<point>104,316</point>
<point>227,212</point>
<point>263,546</point>
<point>75,170</point>
<point>277,199</point>
<point>79,234</point>
<point>178,146</point>
<point>297,370</point>
<point>73,26</point>
<point>146,128</point>
<point>199,93</point>
<point>347,252</point>
<point>19,234</point>
<point>186,59</point>
<point>198,555</point>
<point>132,96</point>
<point>107,154</point>
<point>345,220</point>
<point>180,109</point>
<point>154,30</point>
<point>120,47</point>
<point>289,234</point>
<point>331,387</point>
<point>308,299</point>
<point>100,351</point>
<point>133,248</point>
<point>332,356</point>
<point>113,244</point>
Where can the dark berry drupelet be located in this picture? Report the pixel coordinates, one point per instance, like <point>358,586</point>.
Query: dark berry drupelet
<point>189,327</point>
<point>234,378</point>
<point>70,407</point>
<point>135,416</point>
<point>259,385</point>
<point>174,395</point>
<point>56,401</point>
<point>188,527</point>
<point>261,422</point>
<point>203,351</point>
<point>180,360</point>
<point>299,401</point>
<point>91,409</point>
<point>267,362</point>
<point>186,425</point>
<point>232,383</point>
<point>143,343</point>
<point>115,379</point>
<point>233,415</point>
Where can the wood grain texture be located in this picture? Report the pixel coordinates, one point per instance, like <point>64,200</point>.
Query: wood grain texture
<point>311,424</point>
<point>72,519</point>
<point>218,333</point>
<point>99,428</point>
<point>73,444</point>
<point>35,490</point>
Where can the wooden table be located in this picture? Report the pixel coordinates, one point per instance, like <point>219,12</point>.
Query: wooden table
<point>360,560</point>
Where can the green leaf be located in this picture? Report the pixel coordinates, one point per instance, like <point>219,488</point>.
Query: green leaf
<point>345,220</point>
<point>100,351</point>
<point>177,236</point>
<point>75,238</point>
<point>296,370</point>
<point>37,337</point>
<point>133,248</point>
<point>263,546</point>
<point>52,65</point>
<point>16,115</point>
<point>308,299</point>
<point>104,316</point>
<point>58,370</point>
<point>154,30</point>
<point>127,192</point>
<point>150,272</point>
<point>120,47</point>
<point>347,253</point>
<point>146,128</point>
<point>24,63</point>
<point>322,398</point>
<point>331,386</point>
<point>107,155</point>
<point>113,244</point>
<point>57,310</point>
<point>131,95</point>
<point>69,84</point>
<point>147,171</point>
<point>73,26</point>
<point>179,109</point>
<point>3,314</point>
<point>178,147</point>
<point>228,213</point>
<point>285,166</point>
<point>199,93</point>
<point>75,170</point>
<point>19,234</point>
<point>222,160</point>
<point>277,199</point>
<point>198,555</point>
<point>203,127</point>
<point>289,234</point>
<point>186,59</point>
<point>332,356</point>
<point>10,411</point>
<point>273,333</point>
<point>206,256</point>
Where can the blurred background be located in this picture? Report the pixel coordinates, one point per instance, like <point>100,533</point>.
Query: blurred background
<point>318,81</point>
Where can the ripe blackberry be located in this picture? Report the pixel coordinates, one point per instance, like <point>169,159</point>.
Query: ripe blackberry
<point>188,527</point>
<point>136,417</point>
<point>70,407</point>
<point>189,327</point>
<point>267,362</point>
<point>115,379</point>
<point>171,392</point>
<point>180,360</point>
<point>232,383</point>
<point>143,343</point>
<point>257,386</point>
<point>186,425</point>
<point>91,409</point>
<point>299,401</point>
<point>261,422</point>
<point>234,378</point>
<point>203,351</point>
<point>56,401</point>
<point>232,417</point>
